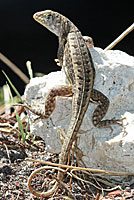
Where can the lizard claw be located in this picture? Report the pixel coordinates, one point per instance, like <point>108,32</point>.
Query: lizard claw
<point>57,62</point>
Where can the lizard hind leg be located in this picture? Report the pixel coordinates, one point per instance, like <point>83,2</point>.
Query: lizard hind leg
<point>59,91</point>
<point>62,90</point>
<point>98,98</point>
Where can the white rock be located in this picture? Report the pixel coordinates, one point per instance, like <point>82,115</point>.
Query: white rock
<point>102,149</point>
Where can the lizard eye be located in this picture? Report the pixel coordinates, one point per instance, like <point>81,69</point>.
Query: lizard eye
<point>48,16</point>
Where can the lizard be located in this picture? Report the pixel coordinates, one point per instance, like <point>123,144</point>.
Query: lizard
<point>75,58</point>
<point>72,42</point>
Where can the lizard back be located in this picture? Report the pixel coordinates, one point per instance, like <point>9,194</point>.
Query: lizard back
<point>83,72</point>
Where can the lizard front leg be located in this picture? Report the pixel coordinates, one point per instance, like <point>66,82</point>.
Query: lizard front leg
<point>60,54</point>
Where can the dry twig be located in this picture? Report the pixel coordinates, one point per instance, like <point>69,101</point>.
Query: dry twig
<point>73,168</point>
<point>110,173</point>
<point>14,68</point>
<point>128,30</point>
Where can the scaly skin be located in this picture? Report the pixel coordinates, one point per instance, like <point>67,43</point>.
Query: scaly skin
<point>70,36</point>
<point>97,97</point>
<point>74,57</point>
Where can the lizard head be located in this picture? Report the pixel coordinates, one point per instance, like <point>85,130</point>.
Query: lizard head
<point>53,21</point>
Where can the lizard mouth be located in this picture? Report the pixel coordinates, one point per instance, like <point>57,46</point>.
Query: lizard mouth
<point>38,17</point>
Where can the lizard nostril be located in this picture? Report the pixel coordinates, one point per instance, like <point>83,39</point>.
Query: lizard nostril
<point>37,15</point>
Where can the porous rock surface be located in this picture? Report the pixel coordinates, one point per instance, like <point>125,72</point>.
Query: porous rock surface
<point>102,149</point>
